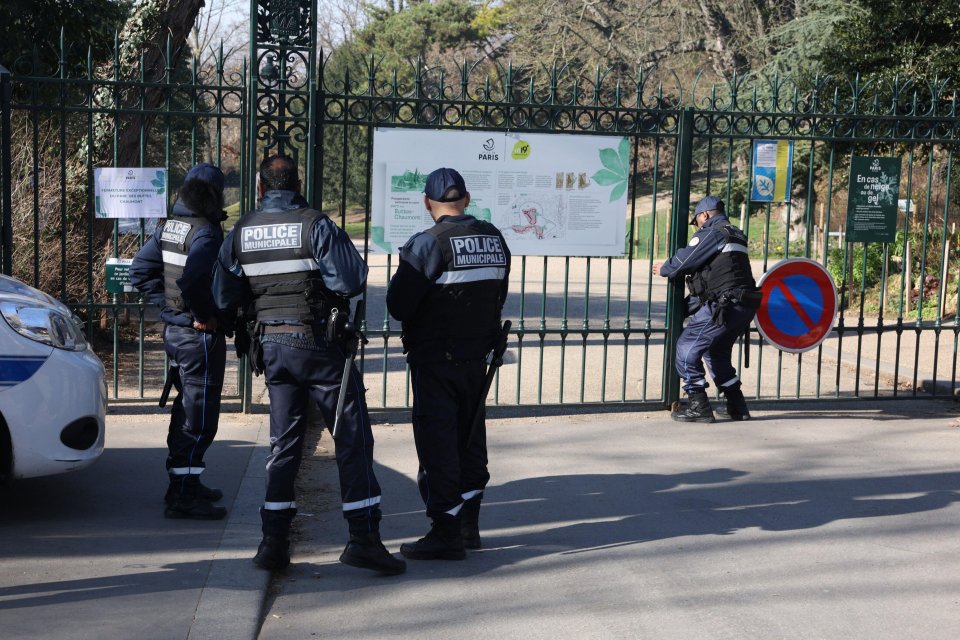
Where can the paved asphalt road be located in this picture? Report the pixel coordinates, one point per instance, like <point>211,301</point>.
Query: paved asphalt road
<point>813,521</point>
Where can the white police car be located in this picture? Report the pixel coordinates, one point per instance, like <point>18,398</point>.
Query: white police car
<point>52,388</point>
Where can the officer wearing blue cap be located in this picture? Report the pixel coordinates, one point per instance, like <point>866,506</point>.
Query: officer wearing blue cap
<point>723,300</point>
<point>448,292</point>
<point>172,270</point>
<point>293,266</point>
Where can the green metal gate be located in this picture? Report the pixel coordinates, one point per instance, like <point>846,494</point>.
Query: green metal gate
<point>63,119</point>
<point>588,331</point>
<point>593,330</point>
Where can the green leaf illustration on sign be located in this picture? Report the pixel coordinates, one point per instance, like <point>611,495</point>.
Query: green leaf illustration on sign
<point>378,233</point>
<point>160,182</point>
<point>605,177</point>
<point>616,171</point>
<point>618,191</point>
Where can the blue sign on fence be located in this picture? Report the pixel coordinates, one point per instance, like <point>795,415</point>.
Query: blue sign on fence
<point>772,170</point>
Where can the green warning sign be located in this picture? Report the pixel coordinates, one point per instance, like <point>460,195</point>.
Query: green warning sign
<point>872,201</point>
<point>118,275</point>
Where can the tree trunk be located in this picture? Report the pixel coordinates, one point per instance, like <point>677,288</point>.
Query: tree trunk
<point>153,28</point>
<point>726,60</point>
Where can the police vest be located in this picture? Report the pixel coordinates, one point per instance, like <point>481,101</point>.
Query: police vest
<point>176,237</point>
<point>729,269</point>
<point>459,317</point>
<point>275,250</point>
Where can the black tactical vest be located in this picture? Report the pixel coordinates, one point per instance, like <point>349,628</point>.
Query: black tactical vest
<point>274,249</point>
<point>730,269</point>
<point>459,317</point>
<point>176,236</point>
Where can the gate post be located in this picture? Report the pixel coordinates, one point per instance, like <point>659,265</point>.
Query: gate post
<point>6,186</point>
<point>283,52</point>
<point>283,59</point>
<point>678,238</point>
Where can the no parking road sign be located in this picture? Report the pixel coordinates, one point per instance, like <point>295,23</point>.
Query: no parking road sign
<point>799,305</point>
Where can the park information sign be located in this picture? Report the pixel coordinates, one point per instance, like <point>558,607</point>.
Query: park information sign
<point>772,170</point>
<point>799,305</point>
<point>130,192</point>
<point>550,195</point>
<point>872,203</point>
<point>118,275</point>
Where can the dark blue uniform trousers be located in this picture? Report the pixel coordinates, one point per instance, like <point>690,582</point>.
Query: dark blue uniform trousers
<point>702,340</point>
<point>445,396</point>
<point>200,358</point>
<point>295,377</point>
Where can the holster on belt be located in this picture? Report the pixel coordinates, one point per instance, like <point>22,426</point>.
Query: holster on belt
<point>744,297</point>
<point>719,310</point>
<point>255,353</point>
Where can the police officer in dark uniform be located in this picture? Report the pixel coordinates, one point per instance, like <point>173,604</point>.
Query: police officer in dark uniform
<point>448,292</point>
<point>172,270</point>
<point>723,300</point>
<point>294,266</point>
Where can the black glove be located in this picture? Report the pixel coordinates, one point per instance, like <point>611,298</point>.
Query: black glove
<point>241,339</point>
<point>256,356</point>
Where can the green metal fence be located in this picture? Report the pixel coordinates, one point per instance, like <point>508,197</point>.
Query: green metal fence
<point>593,330</point>
<point>587,331</point>
<point>63,119</point>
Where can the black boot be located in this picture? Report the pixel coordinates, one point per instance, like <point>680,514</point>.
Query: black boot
<point>443,542</point>
<point>735,407</point>
<point>185,501</point>
<point>273,553</point>
<point>366,551</point>
<point>470,522</point>
<point>697,410</point>
<point>203,492</point>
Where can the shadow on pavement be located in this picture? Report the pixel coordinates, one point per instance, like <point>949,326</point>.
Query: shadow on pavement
<point>579,514</point>
<point>152,580</point>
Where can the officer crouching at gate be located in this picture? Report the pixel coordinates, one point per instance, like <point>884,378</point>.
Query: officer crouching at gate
<point>295,266</point>
<point>448,292</point>
<point>172,270</point>
<point>723,300</point>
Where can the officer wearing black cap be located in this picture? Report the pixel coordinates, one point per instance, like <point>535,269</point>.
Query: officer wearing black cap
<point>293,265</point>
<point>723,300</point>
<point>172,270</point>
<point>448,292</point>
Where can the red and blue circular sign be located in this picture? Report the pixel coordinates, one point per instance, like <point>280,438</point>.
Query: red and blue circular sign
<point>799,305</point>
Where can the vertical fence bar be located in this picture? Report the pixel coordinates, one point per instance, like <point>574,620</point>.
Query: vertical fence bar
<point>678,237</point>
<point>520,325</point>
<point>35,168</point>
<point>6,91</point>
<point>63,167</point>
<point>631,230</point>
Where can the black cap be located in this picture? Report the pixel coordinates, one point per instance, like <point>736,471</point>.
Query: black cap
<point>441,181</point>
<point>709,203</point>
<point>208,173</point>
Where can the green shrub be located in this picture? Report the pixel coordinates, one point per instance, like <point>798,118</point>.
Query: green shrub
<point>857,274</point>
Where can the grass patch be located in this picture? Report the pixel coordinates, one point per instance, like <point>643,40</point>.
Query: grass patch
<point>233,215</point>
<point>355,230</point>
<point>648,237</point>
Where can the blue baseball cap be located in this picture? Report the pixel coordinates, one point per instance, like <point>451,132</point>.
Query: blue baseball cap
<point>441,181</point>
<point>208,173</point>
<point>709,203</point>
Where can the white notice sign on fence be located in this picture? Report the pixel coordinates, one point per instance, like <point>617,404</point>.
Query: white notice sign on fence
<point>130,192</point>
<point>549,194</point>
